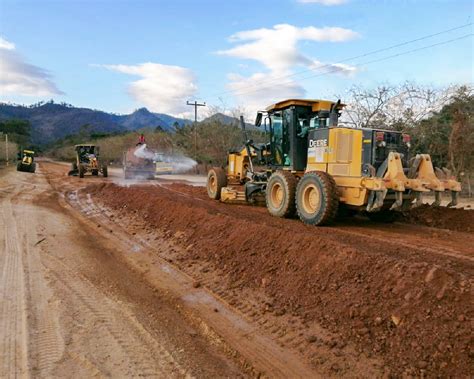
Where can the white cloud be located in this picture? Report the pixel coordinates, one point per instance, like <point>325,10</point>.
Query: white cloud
<point>256,97</point>
<point>323,2</point>
<point>18,77</point>
<point>277,50</point>
<point>4,44</point>
<point>161,88</point>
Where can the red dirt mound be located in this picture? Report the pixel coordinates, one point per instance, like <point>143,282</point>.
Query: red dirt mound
<point>441,217</point>
<point>411,307</point>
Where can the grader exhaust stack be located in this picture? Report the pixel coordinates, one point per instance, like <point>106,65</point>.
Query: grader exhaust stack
<point>312,167</point>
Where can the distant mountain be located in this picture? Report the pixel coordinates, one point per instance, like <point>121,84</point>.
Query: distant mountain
<point>223,119</point>
<point>51,121</point>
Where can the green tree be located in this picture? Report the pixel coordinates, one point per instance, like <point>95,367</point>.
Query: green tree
<point>19,131</point>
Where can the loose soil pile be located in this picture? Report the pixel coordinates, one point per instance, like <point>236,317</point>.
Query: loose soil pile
<point>441,217</point>
<point>413,308</point>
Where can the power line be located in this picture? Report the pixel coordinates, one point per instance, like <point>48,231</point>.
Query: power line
<point>353,58</point>
<point>364,63</point>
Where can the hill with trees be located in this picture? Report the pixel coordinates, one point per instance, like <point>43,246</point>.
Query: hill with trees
<point>51,121</point>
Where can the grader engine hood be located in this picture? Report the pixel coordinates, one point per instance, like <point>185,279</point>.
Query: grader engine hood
<point>377,164</point>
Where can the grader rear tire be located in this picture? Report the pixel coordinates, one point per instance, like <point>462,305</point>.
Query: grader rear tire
<point>82,171</point>
<point>105,171</point>
<point>216,180</point>
<point>317,199</point>
<point>280,194</point>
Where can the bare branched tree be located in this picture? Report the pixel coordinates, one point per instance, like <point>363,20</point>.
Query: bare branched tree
<point>393,107</point>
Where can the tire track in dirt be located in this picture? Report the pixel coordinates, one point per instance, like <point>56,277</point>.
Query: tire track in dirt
<point>46,344</point>
<point>39,325</point>
<point>14,344</point>
<point>145,355</point>
<point>142,353</point>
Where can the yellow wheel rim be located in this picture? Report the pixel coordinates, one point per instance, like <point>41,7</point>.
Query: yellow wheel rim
<point>213,183</point>
<point>311,199</point>
<point>277,195</point>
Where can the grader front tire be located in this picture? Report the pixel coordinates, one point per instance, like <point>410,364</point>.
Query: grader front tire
<point>317,199</point>
<point>216,180</point>
<point>280,194</point>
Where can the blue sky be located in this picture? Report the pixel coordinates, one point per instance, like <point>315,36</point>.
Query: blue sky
<point>121,55</point>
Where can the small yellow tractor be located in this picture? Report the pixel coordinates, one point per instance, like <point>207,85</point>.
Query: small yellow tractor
<point>88,160</point>
<point>313,167</point>
<point>26,161</point>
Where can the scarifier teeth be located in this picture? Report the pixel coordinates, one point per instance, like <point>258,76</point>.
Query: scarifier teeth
<point>397,205</point>
<point>418,199</point>
<point>437,201</point>
<point>454,199</point>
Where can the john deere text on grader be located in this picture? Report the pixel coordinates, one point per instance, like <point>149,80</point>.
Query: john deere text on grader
<point>312,166</point>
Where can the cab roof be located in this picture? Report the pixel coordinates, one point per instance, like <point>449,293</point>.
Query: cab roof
<point>85,145</point>
<point>316,105</point>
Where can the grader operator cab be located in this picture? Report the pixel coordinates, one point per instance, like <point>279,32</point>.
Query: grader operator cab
<point>88,160</point>
<point>26,161</point>
<point>312,166</point>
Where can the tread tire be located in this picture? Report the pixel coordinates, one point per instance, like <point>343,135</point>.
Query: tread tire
<point>327,208</point>
<point>287,182</point>
<point>216,180</point>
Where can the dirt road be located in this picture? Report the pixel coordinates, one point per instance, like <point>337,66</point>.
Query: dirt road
<point>70,309</point>
<point>155,279</point>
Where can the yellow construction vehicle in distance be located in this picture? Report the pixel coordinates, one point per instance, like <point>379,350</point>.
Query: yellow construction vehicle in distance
<point>88,160</point>
<point>313,167</point>
<point>26,161</point>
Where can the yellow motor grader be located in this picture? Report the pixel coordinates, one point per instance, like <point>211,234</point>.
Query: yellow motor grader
<point>88,160</point>
<point>314,167</point>
<point>26,161</point>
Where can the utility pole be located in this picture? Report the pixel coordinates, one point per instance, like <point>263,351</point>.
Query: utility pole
<point>6,147</point>
<point>195,104</point>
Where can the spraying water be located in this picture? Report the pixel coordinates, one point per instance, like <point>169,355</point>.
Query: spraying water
<point>179,163</point>
<point>142,152</point>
